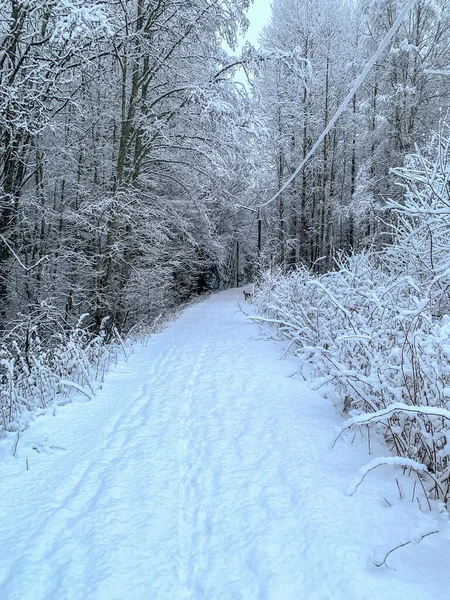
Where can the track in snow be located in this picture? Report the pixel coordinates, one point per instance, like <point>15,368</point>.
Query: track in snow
<point>201,471</point>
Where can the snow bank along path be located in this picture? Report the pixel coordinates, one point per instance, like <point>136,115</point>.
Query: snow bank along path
<point>201,470</point>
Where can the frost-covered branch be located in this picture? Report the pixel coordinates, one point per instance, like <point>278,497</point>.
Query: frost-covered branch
<point>400,461</point>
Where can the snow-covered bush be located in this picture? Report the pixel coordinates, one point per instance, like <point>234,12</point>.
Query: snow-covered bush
<point>423,230</point>
<point>373,337</point>
<point>378,328</point>
<point>36,372</point>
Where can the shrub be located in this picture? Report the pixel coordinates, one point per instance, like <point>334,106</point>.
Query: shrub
<point>377,327</point>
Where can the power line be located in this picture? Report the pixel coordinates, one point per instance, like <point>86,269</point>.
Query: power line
<point>390,34</point>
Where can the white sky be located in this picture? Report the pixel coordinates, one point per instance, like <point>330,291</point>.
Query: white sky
<point>258,15</point>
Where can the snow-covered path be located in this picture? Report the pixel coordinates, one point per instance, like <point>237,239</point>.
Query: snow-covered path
<point>201,471</point>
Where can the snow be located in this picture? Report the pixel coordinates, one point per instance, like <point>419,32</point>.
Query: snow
<point>203,469</point>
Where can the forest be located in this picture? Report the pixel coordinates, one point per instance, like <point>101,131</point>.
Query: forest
<point>143,161</point>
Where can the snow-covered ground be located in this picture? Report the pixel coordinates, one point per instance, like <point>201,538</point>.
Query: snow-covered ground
<point>204,470</point>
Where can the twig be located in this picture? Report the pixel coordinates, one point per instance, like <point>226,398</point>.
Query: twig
<point>17,442</point>
<point>383,562</point>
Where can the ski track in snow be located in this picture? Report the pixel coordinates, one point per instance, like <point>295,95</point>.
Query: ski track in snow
<point>203,471</point>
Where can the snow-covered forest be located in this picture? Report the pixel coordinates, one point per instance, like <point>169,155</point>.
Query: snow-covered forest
<point>124,148</point>
<point>338,201</point>
<point>147,158</point>
<point>137,170</point>
<point>358,244</point>
<point>131,154</point>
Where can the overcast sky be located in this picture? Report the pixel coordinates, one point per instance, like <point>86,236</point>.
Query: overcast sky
<point>258,15</point>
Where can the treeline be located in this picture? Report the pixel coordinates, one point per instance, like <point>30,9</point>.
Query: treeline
<point>127,149</point>
<point>130,155</point>
<point>338,201</point>
<point>123,146</point>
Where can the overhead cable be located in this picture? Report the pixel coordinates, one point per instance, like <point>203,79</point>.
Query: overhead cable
<point>389,35</point>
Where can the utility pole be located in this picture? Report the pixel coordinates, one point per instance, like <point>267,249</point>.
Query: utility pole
<point>259,233</point>
<point>237,263</point>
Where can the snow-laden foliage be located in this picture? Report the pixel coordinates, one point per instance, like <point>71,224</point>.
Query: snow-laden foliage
<point>42,364</point>
<point>37,371</point>
<point>424,225</point>
<point>125,144</point>
<point>336,202</point>
<point>373,336</point>
<point>378,328</point>
<point>124,147</point>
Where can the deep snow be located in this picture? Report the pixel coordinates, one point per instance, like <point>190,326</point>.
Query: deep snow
<point>204,469</point>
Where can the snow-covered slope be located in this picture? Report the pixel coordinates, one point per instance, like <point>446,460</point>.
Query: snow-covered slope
<point>203,471</point>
